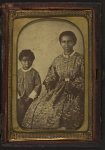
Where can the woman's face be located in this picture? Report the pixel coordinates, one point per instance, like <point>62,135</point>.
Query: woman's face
<point>67,43</point>
<point>26,63</point>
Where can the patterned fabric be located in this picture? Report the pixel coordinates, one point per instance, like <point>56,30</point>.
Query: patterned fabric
<point>63,102</point>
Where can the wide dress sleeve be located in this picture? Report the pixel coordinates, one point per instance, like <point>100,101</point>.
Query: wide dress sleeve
<point>52,78</point>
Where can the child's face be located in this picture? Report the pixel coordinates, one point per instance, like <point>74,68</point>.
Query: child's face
<point>67,43</point>
<point>26,62</point>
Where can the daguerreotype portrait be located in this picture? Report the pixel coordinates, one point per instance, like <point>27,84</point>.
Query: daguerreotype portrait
<point>50,81</point>
<point>51,65</point>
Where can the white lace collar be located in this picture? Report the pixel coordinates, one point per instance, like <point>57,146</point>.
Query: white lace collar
<point>67,56</point>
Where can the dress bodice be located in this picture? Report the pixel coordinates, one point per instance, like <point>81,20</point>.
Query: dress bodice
<point>62,67</point>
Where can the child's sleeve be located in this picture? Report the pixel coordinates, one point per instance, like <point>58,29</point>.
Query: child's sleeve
<point>37,89</point>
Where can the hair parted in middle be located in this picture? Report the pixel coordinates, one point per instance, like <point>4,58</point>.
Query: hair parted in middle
<point>68,33</point>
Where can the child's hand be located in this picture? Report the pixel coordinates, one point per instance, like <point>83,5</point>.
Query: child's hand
<point>28,99</point>
<point>33,95</point>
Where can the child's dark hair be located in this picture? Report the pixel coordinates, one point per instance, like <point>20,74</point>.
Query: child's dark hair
<point>68,33</point>
<point>26,53</point>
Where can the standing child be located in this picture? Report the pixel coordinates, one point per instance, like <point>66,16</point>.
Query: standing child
<point>29,83</point>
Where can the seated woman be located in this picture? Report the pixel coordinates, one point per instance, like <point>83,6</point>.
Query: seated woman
<point>62,105</point>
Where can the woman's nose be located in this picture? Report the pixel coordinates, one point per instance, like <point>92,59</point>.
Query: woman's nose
<point>26,62</point>
<point>66,44</point>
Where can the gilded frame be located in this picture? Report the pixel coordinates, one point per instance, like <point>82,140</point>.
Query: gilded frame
<point>14,12</point>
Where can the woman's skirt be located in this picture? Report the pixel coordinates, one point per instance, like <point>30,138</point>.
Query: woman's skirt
<point>58,108</point>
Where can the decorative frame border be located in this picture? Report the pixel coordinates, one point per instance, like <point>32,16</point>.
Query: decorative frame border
<point>15,11</point>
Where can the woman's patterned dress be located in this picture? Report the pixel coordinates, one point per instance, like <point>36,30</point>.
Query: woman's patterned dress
<point>62,103</point>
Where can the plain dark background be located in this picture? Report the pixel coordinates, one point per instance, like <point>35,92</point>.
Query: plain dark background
<point>100,145</point>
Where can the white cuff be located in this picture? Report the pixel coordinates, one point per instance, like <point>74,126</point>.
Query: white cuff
<point>33,95</point>
<point>18,96</point>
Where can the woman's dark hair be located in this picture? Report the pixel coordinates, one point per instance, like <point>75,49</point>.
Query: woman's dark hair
<point>68,33</point>
<point>26,53</point>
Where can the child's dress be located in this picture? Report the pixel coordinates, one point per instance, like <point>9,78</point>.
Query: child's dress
<point>29,87</point>
<point>62,105</point>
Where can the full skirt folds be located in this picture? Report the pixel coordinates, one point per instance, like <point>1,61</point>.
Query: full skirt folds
<point>56,109</point>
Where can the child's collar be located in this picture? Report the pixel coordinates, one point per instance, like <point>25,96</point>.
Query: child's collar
<point>27,69</point>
